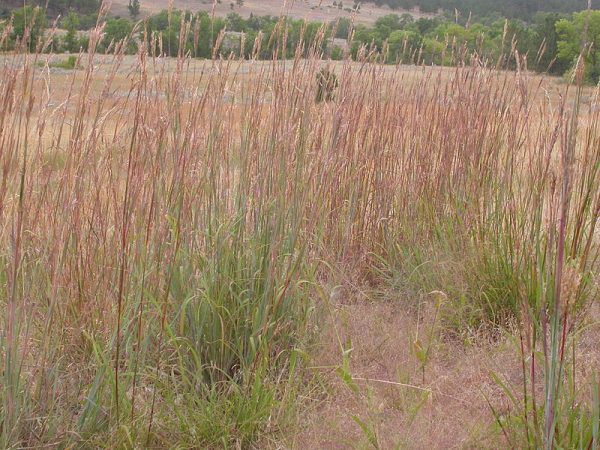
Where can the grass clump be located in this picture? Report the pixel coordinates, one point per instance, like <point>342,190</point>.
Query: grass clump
<point>327,82</point>
<point>69,63</point>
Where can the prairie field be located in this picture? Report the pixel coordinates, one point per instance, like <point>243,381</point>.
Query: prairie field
<point>219,254</point>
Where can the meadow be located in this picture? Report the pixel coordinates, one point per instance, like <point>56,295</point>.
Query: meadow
<point>198,254</point>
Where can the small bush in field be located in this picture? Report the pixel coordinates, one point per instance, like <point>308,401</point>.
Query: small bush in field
<point>69,63</point>
<point>327,82</point>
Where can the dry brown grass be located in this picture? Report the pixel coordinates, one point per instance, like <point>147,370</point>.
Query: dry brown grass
<point>453,412</point>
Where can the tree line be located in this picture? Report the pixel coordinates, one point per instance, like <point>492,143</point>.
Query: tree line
<point>550,42</point>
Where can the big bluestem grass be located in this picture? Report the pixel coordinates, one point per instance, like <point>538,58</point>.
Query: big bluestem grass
<point>163,224</point>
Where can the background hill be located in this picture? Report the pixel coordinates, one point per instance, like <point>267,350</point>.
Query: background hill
<point>55,7</point>
<point>324,10</point>
<point>311,10</point>
<point>369,11</point>
<point>523,9</point>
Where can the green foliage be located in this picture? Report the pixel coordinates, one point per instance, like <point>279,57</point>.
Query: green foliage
<point>477,280</point>
<point>70,40</point>
<point>80,6</point>
<point>240,300</point>
<point>115,32</point>
<point>241,309</point>
<point>583,29</point>
<point>342,26</point>
<point>402,43</point>
<point>577,423</point>
<point>28,22</point>
<point>235,22</point>
<point>552,42</point>
<point>164,30</point>
<point>68,64</point>
<point>337,53</point>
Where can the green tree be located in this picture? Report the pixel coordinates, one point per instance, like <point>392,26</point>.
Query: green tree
<point>70,41</point>
<point>546,43</point>
<point>343,26</point>
<point>235,22</point>
<point>337,53</point>
<point>425,25</point>
<point>390,21</point>
<point>579,34</point>
<point>28,23</point>
<point>432,51</point>
<point>115,31</point>
<point>402,44</point>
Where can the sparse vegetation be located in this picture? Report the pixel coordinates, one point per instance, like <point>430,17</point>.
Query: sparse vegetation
<point>69,63</point>
<point>175,236</point>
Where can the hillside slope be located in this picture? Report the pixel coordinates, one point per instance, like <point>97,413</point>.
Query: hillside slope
<point>523,9</point>
<point>54,7</point>
<point>311,10</point>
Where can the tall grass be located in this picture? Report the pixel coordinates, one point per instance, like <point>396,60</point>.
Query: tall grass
<point>163,224</point>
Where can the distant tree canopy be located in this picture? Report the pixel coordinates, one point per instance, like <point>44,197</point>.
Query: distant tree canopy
<point>115,31</point>
<point>570,38</point>
<point>31,19</point>
<point>258,33</point>
<point>549,42</point>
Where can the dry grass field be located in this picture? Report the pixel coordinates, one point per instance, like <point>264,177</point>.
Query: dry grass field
<point>198,254</point>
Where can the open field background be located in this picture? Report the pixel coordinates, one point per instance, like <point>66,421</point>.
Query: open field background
<point>198,254</point>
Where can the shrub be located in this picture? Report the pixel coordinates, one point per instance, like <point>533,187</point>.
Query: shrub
<point>327,83</point>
